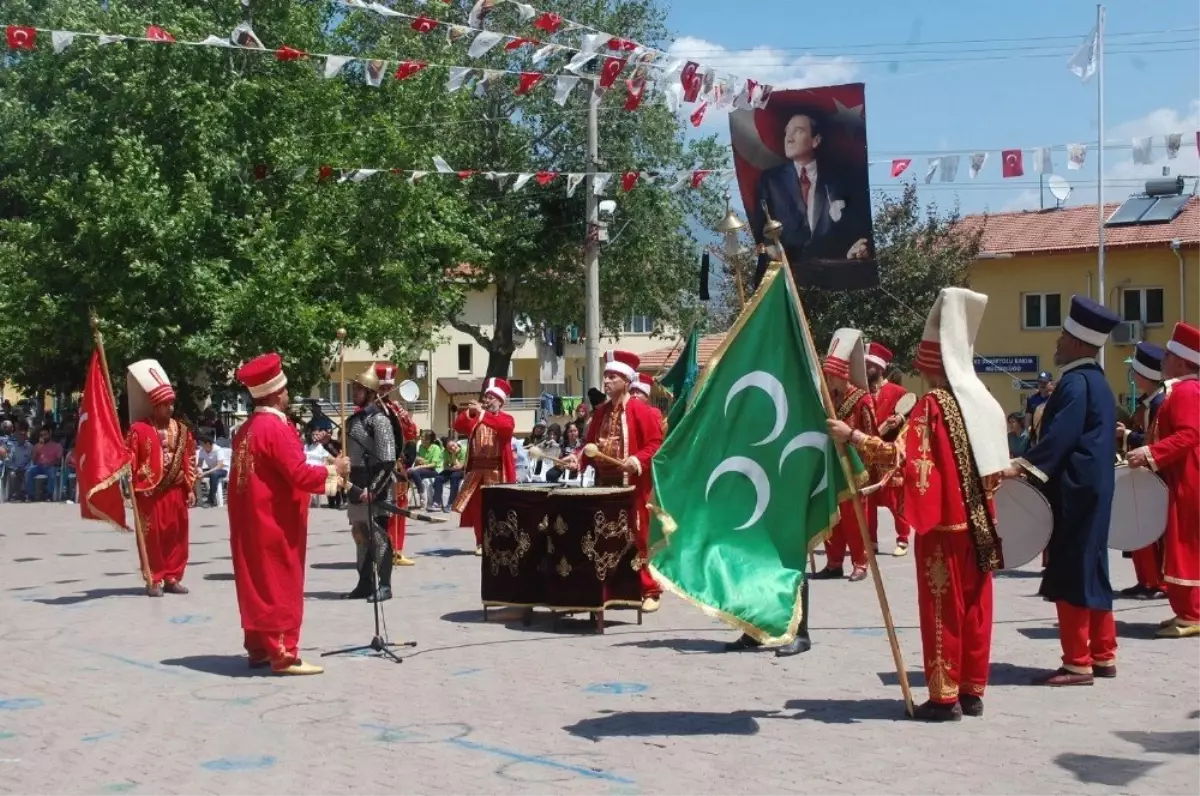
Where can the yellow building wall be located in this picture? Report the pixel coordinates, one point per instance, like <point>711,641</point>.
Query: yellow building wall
<point>1006,281</point>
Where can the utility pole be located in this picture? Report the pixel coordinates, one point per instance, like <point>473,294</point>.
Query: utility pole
<point>591,347</point>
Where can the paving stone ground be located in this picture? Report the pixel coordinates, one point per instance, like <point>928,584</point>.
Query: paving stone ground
<point>103,690</point>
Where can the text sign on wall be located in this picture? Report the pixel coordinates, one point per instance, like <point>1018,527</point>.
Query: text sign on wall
<point>1020,363</point>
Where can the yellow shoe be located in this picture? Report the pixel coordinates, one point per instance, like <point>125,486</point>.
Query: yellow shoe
<point>478,549</point>
<point>901,550</point>
<point>1169,622</point>
<point>399,560</point>
<point>649,605</point>
<point>1179,631</point>
<point>299,668</point>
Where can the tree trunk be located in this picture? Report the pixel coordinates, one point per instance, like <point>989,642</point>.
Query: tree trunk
<point>502,346</point>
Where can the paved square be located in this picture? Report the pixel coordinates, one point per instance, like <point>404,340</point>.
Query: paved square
<point>106,691</point>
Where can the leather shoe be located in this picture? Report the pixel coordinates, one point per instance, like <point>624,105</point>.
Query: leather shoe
<point>971,705</point>
<point>829,573</point>
<point>936,711</point>
<point>358,594</point>
<point>859,573</point>
<point>154,590</point>
<point>799,644</point>
<point>744,643</point>
<point>1107,672</point>
<point>299,668</point>
<point>175,588</point>
<point>1064,677</point>
<point>383,595</point>
<point>1178,631</point>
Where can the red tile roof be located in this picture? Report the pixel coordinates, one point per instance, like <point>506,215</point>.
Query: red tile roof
<point>660,360</point>
<point>1074,229</point>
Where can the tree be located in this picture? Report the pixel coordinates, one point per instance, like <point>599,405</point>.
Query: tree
<point>530,244</point>
<point>920,251</point>
<point>160,186</point>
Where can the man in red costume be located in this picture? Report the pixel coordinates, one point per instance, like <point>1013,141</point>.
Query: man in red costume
<point>1174,453</point>
<point>164,475</point>
<point>846,374</point>
<point>887,396</point>
<point>630,432</point>
<point>640,391</point>
<point>269,487</point>
<point>397,523</point>
<point>488,432</point>
<point>950,455</point>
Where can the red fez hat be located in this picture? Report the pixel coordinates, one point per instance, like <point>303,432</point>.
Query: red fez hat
<point>263,375</point>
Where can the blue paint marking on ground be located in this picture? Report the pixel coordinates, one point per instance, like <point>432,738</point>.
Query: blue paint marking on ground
<point>873,631</point>
<point>464,672</point>
<point>189,619</point>
<point>20,703</point>
<point>538,761</point>
<point>239,763</point>
<point>5,735</point>
<point>617,688</point>
<point>133,662</point>
<point>120,787</point>
<point>100,736</point>
<point>391,734</point>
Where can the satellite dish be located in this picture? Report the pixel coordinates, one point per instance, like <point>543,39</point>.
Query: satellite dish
<point>1059,187</point>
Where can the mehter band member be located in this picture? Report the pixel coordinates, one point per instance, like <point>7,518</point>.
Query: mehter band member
<point>397,523</point>
<point>164,474</point>
<point>1145,370</point>
<point>1174,453</point>
<point>886,396</point>
<point>950,455</point>
<point>1073,463</point>
<point>269,487</point>
<point>488,431</point>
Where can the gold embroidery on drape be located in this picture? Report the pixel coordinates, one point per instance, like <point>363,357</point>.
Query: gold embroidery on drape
<point>507,528</point>
<point>937,575</point>
<point>617,529</point>
<point>983,530</point>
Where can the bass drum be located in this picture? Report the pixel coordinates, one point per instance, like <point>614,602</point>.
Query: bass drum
<point>1139,509</point>
<point>1023,522</point>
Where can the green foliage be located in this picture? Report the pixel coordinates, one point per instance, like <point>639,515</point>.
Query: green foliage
<point>920,252</point>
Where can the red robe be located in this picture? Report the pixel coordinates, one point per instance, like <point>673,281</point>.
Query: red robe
<point>957,548</point>
<point>1175,455</point>
<point>163,478</point>
<point>891,496</point>
<point>633,429</point>
<point>489,461</point>
<point>269,487</point>
<point>857,410</point>
<point>398,523</point>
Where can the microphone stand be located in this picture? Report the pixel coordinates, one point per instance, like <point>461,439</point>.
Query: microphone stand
<point>379,643</point>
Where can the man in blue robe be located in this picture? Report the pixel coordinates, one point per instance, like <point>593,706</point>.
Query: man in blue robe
<point>1073,462</point>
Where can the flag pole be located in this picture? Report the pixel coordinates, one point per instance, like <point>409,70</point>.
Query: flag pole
<point>138,530</point>
<point>773,229</point>
<point>1103,298</point>
<point>341,338</point>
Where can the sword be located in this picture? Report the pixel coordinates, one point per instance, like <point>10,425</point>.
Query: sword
<point>355,495</point>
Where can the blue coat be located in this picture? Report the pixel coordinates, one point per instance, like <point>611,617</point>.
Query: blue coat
<point>1137,439</point>
<point>1074,461</point>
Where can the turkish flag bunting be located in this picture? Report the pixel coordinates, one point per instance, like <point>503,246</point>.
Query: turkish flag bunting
<point>548,22</point>
<point>692,82</point>
<point>286,53</point>
<point>519,42</point>
<point>465,174</point>
<point>424,24</point>
<point>628,180</point>
<point>409,68</point>
<point>155,33</point>
<point>544,178</point>
<point>324,173</point>
<point>20,37</point>
<point>698,114</point>
<point>101,457</point>
<point>899,165</point>
<point>622,44</point>
<point>1013,163</point>
<point>612,68</point>
<point>699,176</point>
<point>528,81</point>
<point>634,91</point>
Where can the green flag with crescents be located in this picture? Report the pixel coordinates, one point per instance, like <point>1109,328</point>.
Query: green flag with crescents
<point>749,481</point>
<point>682,377</point>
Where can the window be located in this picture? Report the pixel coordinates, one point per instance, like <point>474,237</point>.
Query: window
<point>1042,311</point>
<point>1143,304</point>
<point>518,389</point>
<point>639,324</point>
<point>332,393</point>
<point>464,358</point>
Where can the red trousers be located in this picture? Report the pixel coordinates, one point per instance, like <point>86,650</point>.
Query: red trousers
<point>1088,637</point>
<point>280,648</point>
<point>398,523</point>
<point>1185,602</point>
<point>847,534</point>
<point>165,525</point>
<point>955,601</point>
<point>650,587</point>
<point>1147,565</point>
<point>892,498</point>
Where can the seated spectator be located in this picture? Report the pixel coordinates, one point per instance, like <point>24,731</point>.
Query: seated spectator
<point>429,462</point>
<point>210,422</point>
<point>212,464</point>
<point>537,436</point>
<point>551,447</point>
<point>1018,436</point>
<point>572,445</point>
<point>47,458</point>
<point>453,465</point>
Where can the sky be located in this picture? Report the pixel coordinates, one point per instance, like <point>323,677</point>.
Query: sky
<point>930,91</point>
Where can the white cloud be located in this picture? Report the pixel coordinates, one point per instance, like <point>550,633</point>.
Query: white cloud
<point>1025,200</point>
<point>774,67</point>
<point>1158,124</point>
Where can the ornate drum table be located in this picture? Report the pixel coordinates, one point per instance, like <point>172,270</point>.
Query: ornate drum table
<point>562,548</point>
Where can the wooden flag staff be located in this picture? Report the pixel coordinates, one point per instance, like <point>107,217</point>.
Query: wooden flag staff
<point>774,230</point>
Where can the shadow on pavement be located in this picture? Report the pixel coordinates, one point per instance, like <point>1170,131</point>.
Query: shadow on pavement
<point>1017,574</point>
<point>325,595</point>
<point>1115,772</point>
<point>446,552</point>
<point>634,724</point>
<point>1186,742</point>
<point>335,565</point>
<point>999,673</point>
<point>1039,633</point>
<point>846,711</point>
<point>92,594</point>
<point>221,665</point>
<point>219,576</point>
<point>1138,630</point>
<point>687,646</point>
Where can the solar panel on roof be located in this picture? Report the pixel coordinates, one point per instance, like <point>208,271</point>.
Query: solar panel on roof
<point>1164,210</point>
<point>1131,212</point>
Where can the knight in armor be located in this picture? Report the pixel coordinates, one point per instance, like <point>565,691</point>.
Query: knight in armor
<point>371,446</point>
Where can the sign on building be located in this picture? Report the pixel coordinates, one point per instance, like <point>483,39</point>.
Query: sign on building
<point>1017,363</point>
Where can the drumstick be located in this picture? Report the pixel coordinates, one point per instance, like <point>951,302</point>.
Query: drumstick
<point>536,453</point>
<point>592,451</point>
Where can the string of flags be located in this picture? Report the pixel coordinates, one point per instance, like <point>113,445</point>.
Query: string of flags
<point>691,87</point>
<point>677,179</point>
<point>1013,161</point>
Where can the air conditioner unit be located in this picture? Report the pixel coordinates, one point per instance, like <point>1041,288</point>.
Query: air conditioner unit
<point>1127,333</point>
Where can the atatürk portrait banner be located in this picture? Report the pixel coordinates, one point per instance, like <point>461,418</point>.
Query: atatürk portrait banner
<point>805,156</point>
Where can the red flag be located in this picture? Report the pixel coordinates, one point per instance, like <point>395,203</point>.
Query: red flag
<point>612,68</point>
<point>634,91</point>
<point>409,68</point>
<point>544,178</point>
<point>155,33</point>
<point>101,458</point>
<point>528,81</point>
<point>698,177</point>
<point>628,180</point>
<point>548,22</point>
<point>698,114</point>
<point>424,24</point>
<point>899,165</point>
<point>692,82</point>
<point>1013,164</point>
<point>286,53</point>
<point>518,43</point>
<point>20,37</point>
